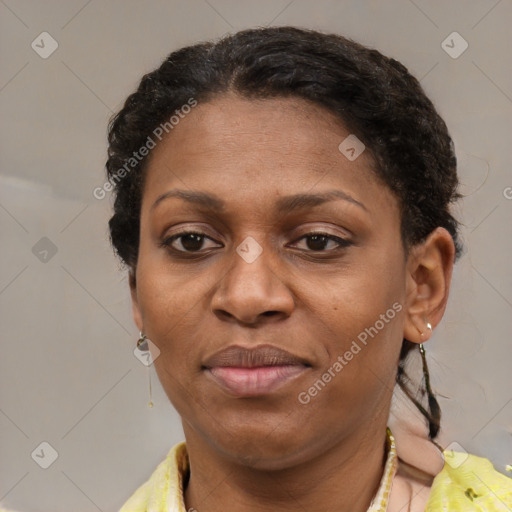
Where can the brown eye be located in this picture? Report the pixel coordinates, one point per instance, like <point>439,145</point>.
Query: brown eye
<point>189,241</point>
<point>317,242</point>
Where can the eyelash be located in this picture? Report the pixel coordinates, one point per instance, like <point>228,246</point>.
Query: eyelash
<point>343,243</point>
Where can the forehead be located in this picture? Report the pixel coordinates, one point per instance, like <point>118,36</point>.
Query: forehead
<point>243,148</point>
<point>229,122</point>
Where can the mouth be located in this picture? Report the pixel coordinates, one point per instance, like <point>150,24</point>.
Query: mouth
<point>254,372</point>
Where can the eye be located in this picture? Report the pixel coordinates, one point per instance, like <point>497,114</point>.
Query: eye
<point>317,241</point>
<point>190,241</point>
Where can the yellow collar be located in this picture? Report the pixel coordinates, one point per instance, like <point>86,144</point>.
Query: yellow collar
<point>380,501</point>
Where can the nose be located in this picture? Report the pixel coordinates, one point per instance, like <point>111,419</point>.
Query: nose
<point>251,292</point>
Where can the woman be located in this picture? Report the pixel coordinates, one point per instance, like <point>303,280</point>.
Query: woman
<point>282,203</point>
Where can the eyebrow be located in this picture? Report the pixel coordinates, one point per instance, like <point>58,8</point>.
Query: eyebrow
<point>283,205</point>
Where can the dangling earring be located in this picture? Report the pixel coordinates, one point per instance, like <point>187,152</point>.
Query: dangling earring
<point>144,356</point>
<point>424,359</point>
<point>433,405</point>
<point>429,327</point>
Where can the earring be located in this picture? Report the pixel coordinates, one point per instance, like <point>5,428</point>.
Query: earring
<point>433,404</point>
<point>424,358</point>
<point>143,347</point>
<point>429,327</point>
<point>142,342</point>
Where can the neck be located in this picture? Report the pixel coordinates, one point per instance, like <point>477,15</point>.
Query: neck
<point>344,478</point>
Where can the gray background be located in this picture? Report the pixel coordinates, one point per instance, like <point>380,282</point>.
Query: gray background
<point>68,375</point>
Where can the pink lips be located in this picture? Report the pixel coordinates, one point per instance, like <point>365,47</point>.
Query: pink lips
<point>252,372</point>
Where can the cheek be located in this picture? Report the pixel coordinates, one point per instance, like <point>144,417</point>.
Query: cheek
<point>364,304</point>
<point>167,296</point>
<point>170,313</point>
<point>362,313</point>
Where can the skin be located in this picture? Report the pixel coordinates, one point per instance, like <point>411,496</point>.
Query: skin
<point>271,452</point>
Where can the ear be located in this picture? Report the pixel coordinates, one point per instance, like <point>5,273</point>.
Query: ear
<point>136,312</point>
<point>429,274</point>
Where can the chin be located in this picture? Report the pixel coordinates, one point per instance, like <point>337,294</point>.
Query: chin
<point>262,449</point>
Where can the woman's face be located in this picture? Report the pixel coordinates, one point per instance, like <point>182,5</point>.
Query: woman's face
<point>257,275</point>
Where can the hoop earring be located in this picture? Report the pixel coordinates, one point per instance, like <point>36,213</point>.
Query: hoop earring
<point>143,347</point>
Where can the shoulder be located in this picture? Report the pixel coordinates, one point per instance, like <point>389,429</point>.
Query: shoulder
<point>165,482</point>
<point>469,483</point>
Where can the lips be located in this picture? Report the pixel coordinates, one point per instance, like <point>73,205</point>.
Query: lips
<point>257,371</point>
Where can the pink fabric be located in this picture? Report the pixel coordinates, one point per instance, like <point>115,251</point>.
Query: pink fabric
<point>419,458</point>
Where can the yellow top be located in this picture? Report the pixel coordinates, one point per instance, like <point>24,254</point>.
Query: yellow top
<point>467,483</point>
